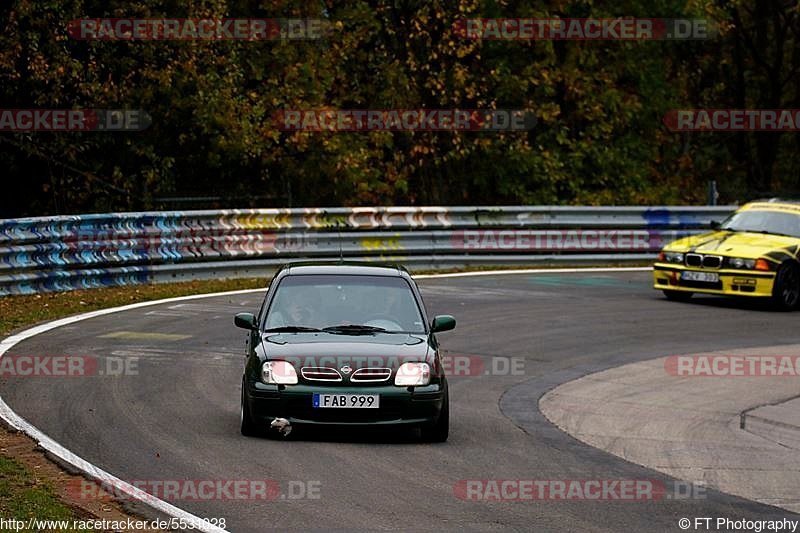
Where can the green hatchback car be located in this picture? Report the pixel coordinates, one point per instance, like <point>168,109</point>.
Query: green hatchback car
<point>345,344</point>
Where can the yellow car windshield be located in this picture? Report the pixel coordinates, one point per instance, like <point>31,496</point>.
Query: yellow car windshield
<point>770,222</point>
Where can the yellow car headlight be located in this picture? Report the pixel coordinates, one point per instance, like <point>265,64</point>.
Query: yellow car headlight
<point>739,262</point>
<point>671,257</point>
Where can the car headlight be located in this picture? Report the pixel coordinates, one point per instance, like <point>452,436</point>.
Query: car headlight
<point>413,375</point>
<point>739,262</point>
<point>671,257</point>
<point>278,373</point>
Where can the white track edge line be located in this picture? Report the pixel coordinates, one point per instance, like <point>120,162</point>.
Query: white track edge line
<point>53,447</point>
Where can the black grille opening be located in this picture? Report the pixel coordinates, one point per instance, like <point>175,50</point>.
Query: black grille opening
<point>319,373</point>
<point>371,374</point>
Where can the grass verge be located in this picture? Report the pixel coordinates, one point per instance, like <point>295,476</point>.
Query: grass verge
<point>17,312</point>
<point>24,496</point>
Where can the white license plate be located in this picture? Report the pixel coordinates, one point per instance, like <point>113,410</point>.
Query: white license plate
<point>708,277</point>
<point>347,401</point>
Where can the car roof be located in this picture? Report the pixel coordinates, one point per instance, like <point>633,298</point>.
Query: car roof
<point>351,268</point>
<point>774,204</point>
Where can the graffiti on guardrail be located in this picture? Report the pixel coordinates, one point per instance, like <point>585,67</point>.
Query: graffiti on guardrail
<point>77,252</point>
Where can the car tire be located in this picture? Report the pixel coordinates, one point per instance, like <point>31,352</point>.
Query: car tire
<point>678,296</point>
<point>786,290</point>
<point>249,428</point>
<point>439,430</point>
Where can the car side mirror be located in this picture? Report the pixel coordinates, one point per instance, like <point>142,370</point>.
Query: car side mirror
<point>714,224</point>
<point>245,321</point>
<point>443,323</point>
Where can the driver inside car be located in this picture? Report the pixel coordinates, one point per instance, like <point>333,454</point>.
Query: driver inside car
<point>298,312</point>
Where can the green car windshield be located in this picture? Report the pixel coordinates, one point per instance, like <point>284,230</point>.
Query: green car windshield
<point>772,222</point>
<point>315,302</point>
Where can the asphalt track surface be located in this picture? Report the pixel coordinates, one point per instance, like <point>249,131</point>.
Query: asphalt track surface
<point>178,417</point>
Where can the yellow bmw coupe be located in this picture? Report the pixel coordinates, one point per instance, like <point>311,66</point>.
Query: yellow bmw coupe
<point>753,253</point>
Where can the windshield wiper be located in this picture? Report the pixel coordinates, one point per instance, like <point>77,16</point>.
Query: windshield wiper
<point>290,329</point>
<point>767,232</point>
<point>761,231</point>
<point>353,329</point>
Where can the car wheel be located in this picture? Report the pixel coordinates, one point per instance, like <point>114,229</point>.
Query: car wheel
<point>678,296</point>
<point>439,430</point>
<point>786,291</point>
<point>248,426</point>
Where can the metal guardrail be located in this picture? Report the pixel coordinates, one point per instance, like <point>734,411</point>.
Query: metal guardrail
<point>74,252</point>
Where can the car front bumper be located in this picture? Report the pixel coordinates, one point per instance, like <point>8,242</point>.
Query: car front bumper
<point>753,283</point>
<point>398,405</point>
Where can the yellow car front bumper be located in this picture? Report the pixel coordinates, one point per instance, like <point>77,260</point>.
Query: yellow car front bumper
<point>754,283</point>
